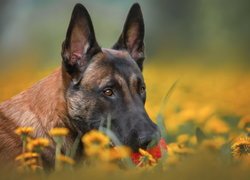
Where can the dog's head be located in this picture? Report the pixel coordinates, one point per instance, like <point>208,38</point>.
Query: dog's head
<point>106,83</point>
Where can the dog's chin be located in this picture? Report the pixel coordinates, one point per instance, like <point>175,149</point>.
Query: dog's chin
<point>135,148</point>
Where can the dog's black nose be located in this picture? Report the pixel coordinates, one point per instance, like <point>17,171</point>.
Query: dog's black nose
<point>145,143</point>
<point>150,140</point>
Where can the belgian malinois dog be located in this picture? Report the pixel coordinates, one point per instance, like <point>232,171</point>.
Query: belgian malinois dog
<point>92,84</point>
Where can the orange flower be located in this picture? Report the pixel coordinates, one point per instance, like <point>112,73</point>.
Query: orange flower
<point>27,155</point>
<point>24,131</point>
<point>66,159</point>
<point>59,132</point>
<point>37,143</point>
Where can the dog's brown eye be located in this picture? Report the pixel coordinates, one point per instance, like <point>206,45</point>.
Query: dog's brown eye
<point>142,90</point>
<point>108,92</point>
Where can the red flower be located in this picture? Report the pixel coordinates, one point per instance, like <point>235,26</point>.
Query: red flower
<point>154,151</point>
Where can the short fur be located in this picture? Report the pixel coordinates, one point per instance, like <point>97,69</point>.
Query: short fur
<point>75,97</point>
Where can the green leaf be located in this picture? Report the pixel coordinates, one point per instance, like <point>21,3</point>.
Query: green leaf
<point>76,143</point>
<point>161,124</point>
<point>160,118</point>
<point>200,135</point>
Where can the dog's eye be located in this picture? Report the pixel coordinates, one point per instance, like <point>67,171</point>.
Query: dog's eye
<point>108,92</point>
<point>142,90</point>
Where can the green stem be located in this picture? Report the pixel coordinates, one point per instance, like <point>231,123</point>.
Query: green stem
<point>58,141</point>
<point>24,140</point>
<point>141,162</point>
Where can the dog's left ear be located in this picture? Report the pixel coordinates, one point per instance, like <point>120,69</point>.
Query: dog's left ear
<point>132,35</point>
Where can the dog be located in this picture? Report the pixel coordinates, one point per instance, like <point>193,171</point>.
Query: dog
<point>91,84</point>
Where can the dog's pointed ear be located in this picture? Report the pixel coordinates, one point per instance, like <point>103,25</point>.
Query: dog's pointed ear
<point>80,44</point>
<point>132,37</point>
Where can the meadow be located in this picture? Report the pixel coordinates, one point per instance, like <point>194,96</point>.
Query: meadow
<point>204,115</point>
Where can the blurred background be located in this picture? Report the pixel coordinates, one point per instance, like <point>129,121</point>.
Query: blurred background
<point>208,32</point>
<point>204,43</point>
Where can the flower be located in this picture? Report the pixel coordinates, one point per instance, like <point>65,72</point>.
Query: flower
<point>37,144</point>
<point>241,147</point>
<point>244,123</point>
<point>213,144</point>
<point>27,155</point>
<point>183,138</point>
<point>30,162</point>
<point>93,150</point>
<point>94,142</point>
<point>24,131</point>
<point>193,140</point>
<point>155,151</point>
<point>146,158</point>
<point>59,132</point>
<point>116,153</point>
<point>174,148</point>
<point>66,159</point>
<point>204,113</point>
<point>216,125</point>
<point>95,137</point>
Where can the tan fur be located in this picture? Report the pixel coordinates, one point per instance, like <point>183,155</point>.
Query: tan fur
<point>133,83</point>
<point>42,107</point>
<point>56,101</point>
<point>95,73</point>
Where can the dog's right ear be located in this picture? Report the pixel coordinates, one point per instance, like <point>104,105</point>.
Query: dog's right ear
<point>132,37</point>
<point>80,44</point>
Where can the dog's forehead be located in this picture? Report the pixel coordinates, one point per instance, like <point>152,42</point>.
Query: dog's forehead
<point>109,64</point>
<point>120,60</point>
<point>116,53</point>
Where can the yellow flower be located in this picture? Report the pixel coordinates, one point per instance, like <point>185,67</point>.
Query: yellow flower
<point>120,152</point>
<point>95,138</point>
<point>24,130</point>
<point>116,153</point>
<point>30,162</point>
<point>216,125</point>
<point>204,113</point>
<point>26,155</point>
<point>187,115</point>
<point>183,138</point>
<point>241,147</point>
<point>37,143</point>
<point>174,148</point>
<point>59,132</point>
<point>244,123</point>
<point>94,142</point>
<point>193,140</point>
<point>147,158</point>
<point>93,150</point>
<point>213,144</point>
<point>66,159</point>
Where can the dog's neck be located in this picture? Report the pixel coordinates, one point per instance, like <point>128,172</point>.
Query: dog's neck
<point>43,106</point>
